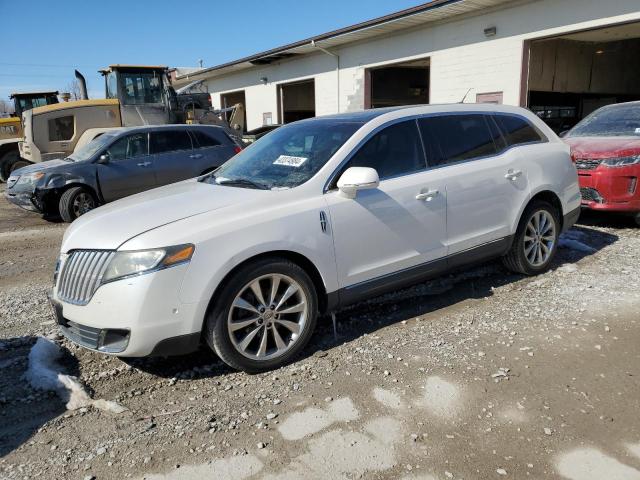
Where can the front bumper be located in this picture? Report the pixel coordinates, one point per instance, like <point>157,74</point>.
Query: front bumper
<point>22,200</point>
<point>135,317</point>
<point>613,189</point>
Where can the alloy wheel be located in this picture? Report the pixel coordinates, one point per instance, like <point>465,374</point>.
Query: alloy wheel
<point>267,316</point>
<point>82,204</point>
<point>539,238</point>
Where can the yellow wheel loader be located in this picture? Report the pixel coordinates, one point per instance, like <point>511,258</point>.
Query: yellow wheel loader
<point>135,95</point>
<point>11,128</point>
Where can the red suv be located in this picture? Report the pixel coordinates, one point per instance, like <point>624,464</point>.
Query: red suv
<point>605,148</point>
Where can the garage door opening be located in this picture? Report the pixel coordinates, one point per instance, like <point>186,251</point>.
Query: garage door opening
<point>398,84</point>
<point>233,98</point>
<point>572,75</point>
<point>296,101</point>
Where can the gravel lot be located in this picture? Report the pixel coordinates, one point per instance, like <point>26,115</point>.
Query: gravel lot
<point>476,375</point>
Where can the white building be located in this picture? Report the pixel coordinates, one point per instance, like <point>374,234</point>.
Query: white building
<point>561,58</point>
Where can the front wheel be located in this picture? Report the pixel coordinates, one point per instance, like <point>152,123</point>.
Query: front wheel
<point>7,161</point>
<point>264,316</point>
<point>536,240</point>
<point>637,217</point>
<point>75,202</point>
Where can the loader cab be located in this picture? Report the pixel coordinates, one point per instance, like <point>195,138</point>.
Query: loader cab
<point>26,101</point>
<point>144,93</point>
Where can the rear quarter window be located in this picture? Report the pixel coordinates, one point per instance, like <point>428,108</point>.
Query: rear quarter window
<point>517,130</point>
<point>203,140</point>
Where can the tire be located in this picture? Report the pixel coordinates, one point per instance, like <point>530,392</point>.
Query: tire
<point>530,253</point>
<point>254,323</point>
<point>637,218</point>
<point>6,161</point>
<point>75,202</point>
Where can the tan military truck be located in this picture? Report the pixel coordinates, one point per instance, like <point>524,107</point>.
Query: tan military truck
<point>11,128</point>
<point>135,95</point>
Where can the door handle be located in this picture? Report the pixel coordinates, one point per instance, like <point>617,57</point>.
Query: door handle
<point>427,196</point>
<point>513,174</point>
<point>196,155</point>
<point>144,164</point>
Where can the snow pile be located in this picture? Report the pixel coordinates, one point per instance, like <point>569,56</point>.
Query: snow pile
<point>44,374</point>
<point>571,240</point>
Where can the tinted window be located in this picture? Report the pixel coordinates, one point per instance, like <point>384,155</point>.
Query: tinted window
<point>396,150</point>
<point>61,128</point>
<point>128,147</point>
<point>517,130</point>
<point>460,137</point>
<point>170,141</point>
<point>204,140</point>
<point>141,87</point>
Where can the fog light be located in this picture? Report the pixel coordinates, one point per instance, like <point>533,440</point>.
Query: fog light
<point>113,341</point>
<point>632,184</point>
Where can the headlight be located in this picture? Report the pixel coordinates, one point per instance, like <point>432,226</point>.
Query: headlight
<point>30,179</point>
<point>128,264</point>
<point>621,161</point>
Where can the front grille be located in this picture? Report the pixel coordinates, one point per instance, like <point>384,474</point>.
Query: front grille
<point>587,164</point>
<point>591,195</point>
<point>81,334</point>
<point>81,275</point>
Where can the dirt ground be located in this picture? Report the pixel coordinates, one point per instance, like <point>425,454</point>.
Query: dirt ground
<point>476,375</point>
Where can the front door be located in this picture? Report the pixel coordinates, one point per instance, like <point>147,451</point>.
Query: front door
<point>398,227</point>
<point>130,168</point>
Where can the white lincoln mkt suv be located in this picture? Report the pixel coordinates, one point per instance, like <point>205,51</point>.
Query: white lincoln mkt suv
<point>316,215</point>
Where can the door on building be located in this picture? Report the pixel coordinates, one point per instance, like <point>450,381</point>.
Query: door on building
<point>571,75</point>
<point>398,84</point>
<point>233,98</point>
<point>296,101</point>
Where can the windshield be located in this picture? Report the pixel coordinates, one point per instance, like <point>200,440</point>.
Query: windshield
<point>611,121</point>
<point>286,157</point>
<point>91,148</point>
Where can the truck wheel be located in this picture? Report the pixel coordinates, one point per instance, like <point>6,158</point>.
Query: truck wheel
<point>75,202</point>
<point>6,161</point>
<point>264,315</point>
<point>536,240</point>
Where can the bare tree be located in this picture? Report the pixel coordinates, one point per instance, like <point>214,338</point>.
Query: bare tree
<point>6,107</point>
<point>74,90</point>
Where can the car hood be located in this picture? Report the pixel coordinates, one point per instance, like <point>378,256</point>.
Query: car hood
<point>111,225</point>
<point>39,167</point>
<point>603,147</point>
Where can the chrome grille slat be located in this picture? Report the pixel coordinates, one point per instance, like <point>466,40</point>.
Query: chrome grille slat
<point>81,276</point>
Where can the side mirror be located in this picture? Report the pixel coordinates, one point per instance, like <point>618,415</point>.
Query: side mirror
<point>358,178</point>
<point>103,159</point>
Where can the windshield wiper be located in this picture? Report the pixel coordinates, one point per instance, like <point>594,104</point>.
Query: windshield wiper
<point>242,182</point>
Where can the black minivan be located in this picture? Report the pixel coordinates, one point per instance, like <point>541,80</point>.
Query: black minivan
<point>120,162</point>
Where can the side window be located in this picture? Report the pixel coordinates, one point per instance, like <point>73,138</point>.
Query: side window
<point>61,129</point>
<point>204,140</point>
<point>518,130</point>
<point>170,141</point>
<point>396,150</point>
<point>460,137</point>
<point>128,147</point>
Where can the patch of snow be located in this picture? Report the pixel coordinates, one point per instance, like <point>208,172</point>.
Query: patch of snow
<point>44,373</point>
<point>592,464</point>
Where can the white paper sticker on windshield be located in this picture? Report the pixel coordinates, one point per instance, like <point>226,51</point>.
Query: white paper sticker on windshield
<point>290,161</point>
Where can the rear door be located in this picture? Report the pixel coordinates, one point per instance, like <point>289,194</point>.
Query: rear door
<point>173,155</point>
<point>485,181</point>
<point>211,148</point>
<point>130,168</point>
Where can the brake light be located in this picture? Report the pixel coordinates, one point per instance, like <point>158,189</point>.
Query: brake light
<point>237,149</point>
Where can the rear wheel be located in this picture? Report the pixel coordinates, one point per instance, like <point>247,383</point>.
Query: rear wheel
<point>75,202</point>
<point>536,240</point>
<point>264,316</point>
